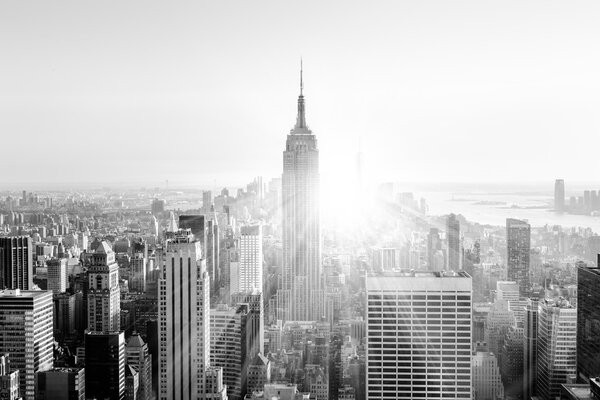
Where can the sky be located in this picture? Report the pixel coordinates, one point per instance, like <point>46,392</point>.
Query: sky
<point>203,93</point>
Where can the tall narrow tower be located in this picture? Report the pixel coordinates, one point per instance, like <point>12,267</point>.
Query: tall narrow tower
<point>300,297</point>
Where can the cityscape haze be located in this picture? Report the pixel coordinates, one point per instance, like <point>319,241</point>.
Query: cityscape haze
<point>299,201</point>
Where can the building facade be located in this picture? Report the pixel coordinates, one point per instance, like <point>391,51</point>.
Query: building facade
<point>16,262</point>
<point>557,342</point>
<point>26,334</point>
<point>183,318</point>
<point>103,300</point>
<point>105,365</point>
<point>588,322</point>
<point>418,327</point>
<point>518,247</point>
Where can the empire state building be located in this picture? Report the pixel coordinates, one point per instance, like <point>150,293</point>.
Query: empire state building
<point>300,296</point>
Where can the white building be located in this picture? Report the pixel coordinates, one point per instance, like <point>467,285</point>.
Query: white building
<point>57,275</point>
<point>184,339</point>
<point>104,302</point>
<point>557,346</point>
<point>418,335</point>
<point>250,275</point>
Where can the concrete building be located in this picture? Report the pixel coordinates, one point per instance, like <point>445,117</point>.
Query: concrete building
<point>487,381</point>
<point>29,315</point>
<point>184,321</point>
<point>415,322</point>
<point>103,298</point>
<point>259,373</point>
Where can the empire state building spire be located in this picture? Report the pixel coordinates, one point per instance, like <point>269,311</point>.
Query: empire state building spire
<point>301,119</point>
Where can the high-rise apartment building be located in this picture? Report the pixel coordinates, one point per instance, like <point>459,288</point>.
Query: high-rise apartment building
<point>300,295</point>
<point>557,346</point>
<point>105,365</point>
<point>26,334</point>
<point>588,322</point>
<point>453,239</point>
<point>103,292</point>
<point>250,273</point>
<point>57,275</point>
<point>559,195</point>
<point>16,262</point>
<point>518,247</point>
<point>228,340</point>
<point>418,335</point>
<point>183,318</point>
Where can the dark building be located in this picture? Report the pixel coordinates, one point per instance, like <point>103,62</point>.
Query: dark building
<point>530,328</point>
<point>105,365</point>
<point>518,246</point>
<point>16,263</point>
<point>588,322</point>
<point>60,384</point>
<point>434,244</point>
<point>255,321</point>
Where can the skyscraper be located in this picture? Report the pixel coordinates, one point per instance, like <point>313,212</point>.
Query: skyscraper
<point>453,238</point>
<point>105,365</point>
<point>16,262</point>
<point>588,322</point>
<point>559,195</point>
<point>530,333</point>
<point>183,318</point>
<point>228,340</point>
<point>26,334</point>
<point>250,272</point>
<point>418,335</point>
<point>255,330</point>
<point>518,236</point>
<point>57,275</point>
<point>434,245</point>
<point>301,295</point>
<point>104,304</point>
<point>139,358</point>
<point>557,342</point>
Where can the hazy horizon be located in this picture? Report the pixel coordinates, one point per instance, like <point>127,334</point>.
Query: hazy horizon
<point>144,91</point>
